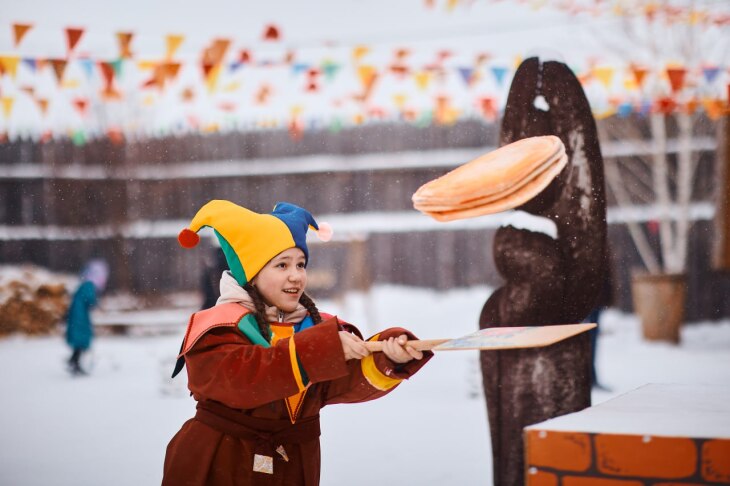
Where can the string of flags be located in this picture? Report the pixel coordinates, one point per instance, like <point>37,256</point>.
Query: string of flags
<point>226,86</point>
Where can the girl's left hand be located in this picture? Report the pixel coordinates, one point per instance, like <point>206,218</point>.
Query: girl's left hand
<point>398,351</point>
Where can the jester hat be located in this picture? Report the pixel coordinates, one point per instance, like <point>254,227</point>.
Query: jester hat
<point>248,239</point>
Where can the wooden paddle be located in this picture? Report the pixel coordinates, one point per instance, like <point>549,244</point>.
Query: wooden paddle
<point>495,338</point>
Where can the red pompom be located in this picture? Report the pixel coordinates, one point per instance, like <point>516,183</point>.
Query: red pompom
<point>188,238</point>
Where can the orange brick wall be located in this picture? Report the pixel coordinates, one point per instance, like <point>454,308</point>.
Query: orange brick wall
<point>582,459</point>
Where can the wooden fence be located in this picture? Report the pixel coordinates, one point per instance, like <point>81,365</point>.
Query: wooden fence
<point>61,204</point>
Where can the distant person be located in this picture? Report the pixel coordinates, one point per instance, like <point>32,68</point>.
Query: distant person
<point>210,282</point>
<point>79,330</point>
<point>263,361</point>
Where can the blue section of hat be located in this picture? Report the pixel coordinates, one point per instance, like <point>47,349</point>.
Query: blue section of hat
<point>297,220</point>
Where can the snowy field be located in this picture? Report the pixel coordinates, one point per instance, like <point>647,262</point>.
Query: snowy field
<point>112,427</point>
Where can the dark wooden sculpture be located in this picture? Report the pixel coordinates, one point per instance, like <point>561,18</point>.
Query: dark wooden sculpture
<point>547,281</point>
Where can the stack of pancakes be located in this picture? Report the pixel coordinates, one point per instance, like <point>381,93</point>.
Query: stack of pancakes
<point>500,180</point>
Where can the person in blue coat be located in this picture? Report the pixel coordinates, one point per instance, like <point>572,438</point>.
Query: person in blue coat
<point>79,330</point>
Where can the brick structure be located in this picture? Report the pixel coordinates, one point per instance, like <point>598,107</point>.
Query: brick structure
<point>657,435</point>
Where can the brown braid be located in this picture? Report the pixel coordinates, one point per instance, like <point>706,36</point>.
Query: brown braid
<point>311,307</point>
<point>260,313</point>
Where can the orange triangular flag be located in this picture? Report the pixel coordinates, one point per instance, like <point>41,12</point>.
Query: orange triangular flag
<point>59,67</point>
<point>367,75</point>
<point>125,39</point>
<point>42,105</point>
<point>639,74</point>
<point>19,31</point>
<point>29,90</point>
<point>171,70</point>
<point>7,102</point>
<point>676,78</point>
<point>188,94</point>
<point>173,42</point>
<point>262,95</point>
<point>73,35</point>
<point>216,52</point>
<point>211,78</point>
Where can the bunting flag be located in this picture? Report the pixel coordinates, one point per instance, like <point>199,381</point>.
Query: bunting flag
<point>263,94</point>
<point>399,100</point>
<point>59,68</point>
<point>31,63</point>
<point>88,66</point>
<point>117,65</point>
<point>466,75</point>
<point>125,41</point>
<point>81,105</point>
<point>710,73</point>
<point>10,65</point>
<point>107,73</point>
<point>639,74</point>
<point>187,95</point>
<point>676,77</point>
<point>244,56</point>
<point>488,107</point>
<point>7,102</point>
<point>358,52</point>
<point>73,36</point>
<point>271,33</point>
<point>231,87</point>
<point>422,78</point>
<point>29,90</point>
<point>212,74</point>
<point>19,31</point>
<point>499,72</point>
<point>214,54</point>
<point>172,44</point>
<point>330,70</point>
<point>42,105</point>
<point>367,76</point>
<point>604,74</point>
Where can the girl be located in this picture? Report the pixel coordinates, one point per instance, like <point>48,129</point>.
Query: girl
<point>263,361</point>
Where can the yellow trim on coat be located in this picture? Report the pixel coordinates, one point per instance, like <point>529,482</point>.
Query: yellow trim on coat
<point>295,364</point>
<point>374,376</point>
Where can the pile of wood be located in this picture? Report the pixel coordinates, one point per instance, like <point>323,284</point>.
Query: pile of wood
<point>30,307</point>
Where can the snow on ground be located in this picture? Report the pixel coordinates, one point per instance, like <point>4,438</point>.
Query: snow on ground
<point>112,427</point>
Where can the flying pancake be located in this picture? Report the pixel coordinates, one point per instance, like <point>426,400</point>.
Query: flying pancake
<point>497,181</point>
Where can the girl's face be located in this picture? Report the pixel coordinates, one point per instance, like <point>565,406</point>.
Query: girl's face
<point>282,281</point>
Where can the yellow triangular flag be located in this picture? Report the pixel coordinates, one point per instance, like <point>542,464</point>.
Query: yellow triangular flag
<point>145,65</point>
<point>173,42</point>
<point>7,106</point>
<point>604,74</point>
<point>422,78</point>
<point>399,100</point>
<point>358,52</point>
<point>10,64</point>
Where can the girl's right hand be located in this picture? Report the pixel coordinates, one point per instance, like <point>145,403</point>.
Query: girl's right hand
<point>353,346</point>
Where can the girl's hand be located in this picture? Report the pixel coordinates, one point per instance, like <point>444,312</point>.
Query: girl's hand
<point>398,351</point>
<point>353,346</point>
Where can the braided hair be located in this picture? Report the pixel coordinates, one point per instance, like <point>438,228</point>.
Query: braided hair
<point>260,314</point>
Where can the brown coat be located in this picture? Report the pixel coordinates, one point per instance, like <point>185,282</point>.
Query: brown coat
<point>241,390</point>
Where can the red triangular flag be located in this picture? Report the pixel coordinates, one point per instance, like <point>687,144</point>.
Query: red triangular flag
<point>73,35</point>
<point>19,31</point>
<point>271,33</point>
<point>81,105</point>
<point>107,72</point>
<point>676,78</point>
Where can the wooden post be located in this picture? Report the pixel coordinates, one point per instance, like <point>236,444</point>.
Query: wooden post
<point>721,254</point>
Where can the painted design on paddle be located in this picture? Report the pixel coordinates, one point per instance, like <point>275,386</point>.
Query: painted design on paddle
<point>476,339</point>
